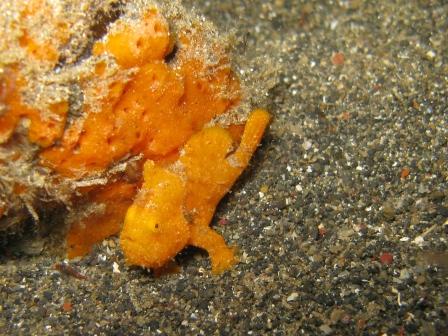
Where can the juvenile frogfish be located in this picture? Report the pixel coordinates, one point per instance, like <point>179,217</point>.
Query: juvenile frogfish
<point>124,114</point>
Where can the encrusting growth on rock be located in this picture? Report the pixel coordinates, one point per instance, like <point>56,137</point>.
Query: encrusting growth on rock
<point>145,96</point>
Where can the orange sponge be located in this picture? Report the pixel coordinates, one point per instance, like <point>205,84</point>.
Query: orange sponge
<point>140,93</point>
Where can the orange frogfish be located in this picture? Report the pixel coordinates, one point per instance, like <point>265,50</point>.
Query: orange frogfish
<point>124,114</point>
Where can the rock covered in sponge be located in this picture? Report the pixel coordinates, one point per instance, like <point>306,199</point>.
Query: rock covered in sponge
<point>80,117</point>
<point>67,67</point>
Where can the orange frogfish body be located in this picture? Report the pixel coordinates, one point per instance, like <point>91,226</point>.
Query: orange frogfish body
<point>141,146</point>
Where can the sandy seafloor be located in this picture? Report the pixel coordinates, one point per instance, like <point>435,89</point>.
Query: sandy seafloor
<point>341,220</point>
